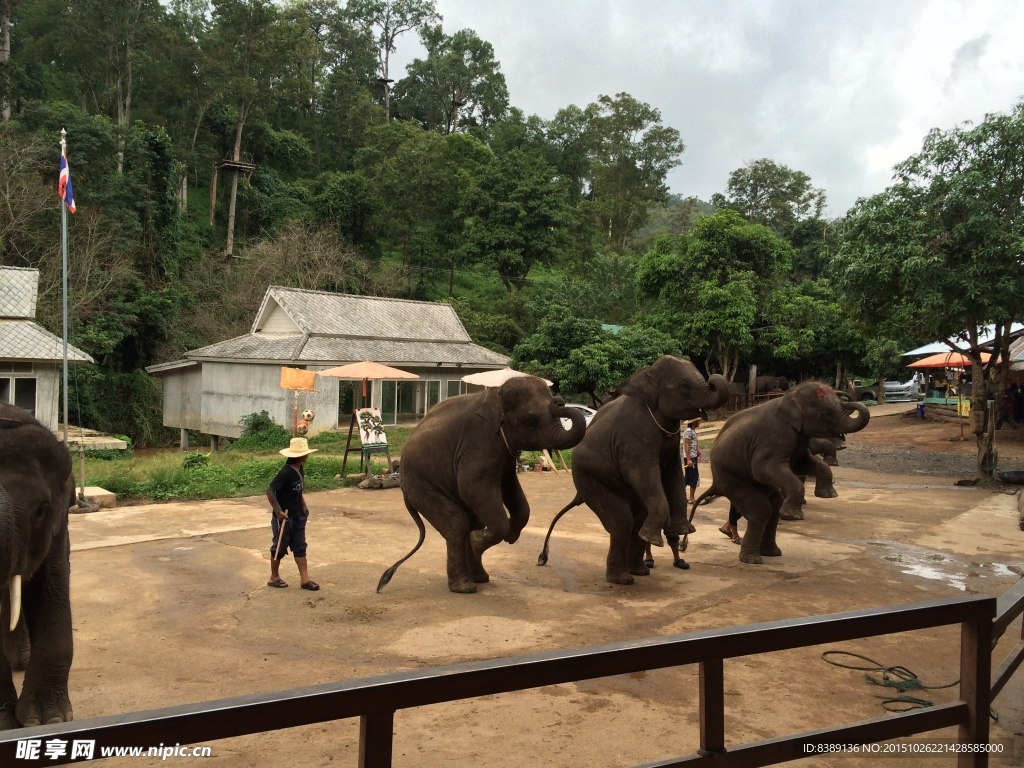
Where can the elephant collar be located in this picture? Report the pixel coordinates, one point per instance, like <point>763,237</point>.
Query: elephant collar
<point>661,427</point>
<point>501,431</point>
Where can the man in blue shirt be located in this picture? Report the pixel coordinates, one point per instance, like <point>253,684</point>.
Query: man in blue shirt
<point>288,523</point>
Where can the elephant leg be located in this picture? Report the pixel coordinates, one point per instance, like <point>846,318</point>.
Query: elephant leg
<point>823,487</point>
<point>636,547</point>
<point>515,502</point>
<point>769,548</point>
<point>8,693</point>
<point>452,521</point>
<point>616,517</point>
<point>44,696</point>
<point>675,493</point>
<point>754,505</point>
<point>17,647</point>
<point>474,563</point>
<point>780,475</point>
<point>645,482</point>
<point>485,500</point>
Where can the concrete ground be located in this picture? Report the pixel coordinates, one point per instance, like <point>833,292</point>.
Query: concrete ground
<point>171,606</point>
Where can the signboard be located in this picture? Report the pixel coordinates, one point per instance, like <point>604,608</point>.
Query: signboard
<point>296,378</point>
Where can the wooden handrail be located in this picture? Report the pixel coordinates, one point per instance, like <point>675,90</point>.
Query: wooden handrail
<point>376,699</point>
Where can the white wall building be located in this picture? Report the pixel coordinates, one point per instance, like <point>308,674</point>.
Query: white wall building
<point>30,357</point>
<point>212,388</point>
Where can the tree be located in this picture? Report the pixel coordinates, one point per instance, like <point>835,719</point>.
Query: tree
<point>709,287</point>
<point>251,42</point>
<point>771,194</point>
<point>6,6</point>
<point>938,254</point>
<point>519,216</point>
<point>393,18</point>
<point>633,153</point>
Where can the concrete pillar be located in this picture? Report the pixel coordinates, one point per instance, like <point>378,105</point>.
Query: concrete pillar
<point>214,443</point>
<point>184,439</point>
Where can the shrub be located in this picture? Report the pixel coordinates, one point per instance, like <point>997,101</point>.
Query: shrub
<point>195,460</point>
<point>260,433</point>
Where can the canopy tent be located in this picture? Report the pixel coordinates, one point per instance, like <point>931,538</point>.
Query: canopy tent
<point>496,378</point>
<point>947,360</point>
<point>364,370</point>
<point>985,336</point>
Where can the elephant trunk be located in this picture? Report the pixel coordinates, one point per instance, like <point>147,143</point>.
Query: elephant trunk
<point>856,418</point>
<point>567,438</point>
<point>716,395</point>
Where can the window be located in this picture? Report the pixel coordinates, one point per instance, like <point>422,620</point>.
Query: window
<point>453,388</point>
<point>12,367</point>
<point>5,391</point>
<point>25,394</point>
<point>388,396</point>
<point>433,393</point>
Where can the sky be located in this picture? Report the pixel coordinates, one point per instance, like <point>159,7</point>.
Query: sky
<point>839,89</point>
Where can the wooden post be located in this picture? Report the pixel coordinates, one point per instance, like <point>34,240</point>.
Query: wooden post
<point>712,707</point>
<point>348,442</point>
<point>184,439</point>
<point>375,739</point>
<point>975,688</point>
<point>751,385</point>
<point>213,194</point>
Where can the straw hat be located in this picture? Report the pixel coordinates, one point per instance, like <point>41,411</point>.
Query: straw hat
<point>298,447</point>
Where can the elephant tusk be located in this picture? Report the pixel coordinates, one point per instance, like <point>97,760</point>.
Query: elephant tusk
<point>15,589</point>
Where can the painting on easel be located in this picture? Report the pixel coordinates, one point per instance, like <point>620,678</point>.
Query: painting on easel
<point>371,427</point>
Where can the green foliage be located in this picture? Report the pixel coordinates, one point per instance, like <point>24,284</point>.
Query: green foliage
<point>260,434</point>
<point>195,460</point>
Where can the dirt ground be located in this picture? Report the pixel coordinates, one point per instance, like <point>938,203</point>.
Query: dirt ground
<point>170,607</point>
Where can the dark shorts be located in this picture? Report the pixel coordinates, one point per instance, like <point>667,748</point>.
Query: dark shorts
<point>692,475</point>
<point>294,534</point>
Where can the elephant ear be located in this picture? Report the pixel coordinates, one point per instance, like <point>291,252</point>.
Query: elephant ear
<point>643,386</point>
<point>490,409</point>
<point>791,412</point>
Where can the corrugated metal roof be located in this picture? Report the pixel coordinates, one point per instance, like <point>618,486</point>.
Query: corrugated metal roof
<point>18,289</point>
<point>370,317</point>
<point>334,350</point>
<point>24,340</point>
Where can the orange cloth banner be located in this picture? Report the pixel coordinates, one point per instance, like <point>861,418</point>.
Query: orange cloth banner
<point>295,378</point>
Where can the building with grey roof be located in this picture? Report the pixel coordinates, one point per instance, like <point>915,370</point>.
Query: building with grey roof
<point>213,387</point>
<point>30,356</point>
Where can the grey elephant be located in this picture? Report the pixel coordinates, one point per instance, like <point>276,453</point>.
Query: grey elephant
<point>827,448</point>
<point>765,384</point>
<point>627,468</point>
<point>761,453</point>
<point>36,490</point>
<point>459,470</point>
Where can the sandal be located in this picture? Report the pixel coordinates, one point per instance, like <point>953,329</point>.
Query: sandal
<point>311,585</point>
<point>278,583</point>
<point>680,563</point>
<point>649,562</point>
<point>727,532</point>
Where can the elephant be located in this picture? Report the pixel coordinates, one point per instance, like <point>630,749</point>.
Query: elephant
<point>36,491</point>
<point>459,470</point>
<point>765,384</point>
<point>827,447</point>
<point>627,468</point>
<point>761,453</point>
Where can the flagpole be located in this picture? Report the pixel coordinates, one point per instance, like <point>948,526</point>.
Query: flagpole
<point>64,251</point>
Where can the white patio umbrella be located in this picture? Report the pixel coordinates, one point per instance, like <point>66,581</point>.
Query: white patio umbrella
<point>496,378</point>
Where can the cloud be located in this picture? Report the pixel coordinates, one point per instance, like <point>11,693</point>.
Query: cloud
<point>841,90</point>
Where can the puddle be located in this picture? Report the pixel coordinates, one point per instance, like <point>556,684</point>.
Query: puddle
<point>942,566</point>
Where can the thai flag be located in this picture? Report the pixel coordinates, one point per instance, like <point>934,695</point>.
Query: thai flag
<point>64,184</point>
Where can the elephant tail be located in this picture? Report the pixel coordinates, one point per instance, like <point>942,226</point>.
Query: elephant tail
<point>542,558</point>
<point>705,498</point>
<point>386,576</point>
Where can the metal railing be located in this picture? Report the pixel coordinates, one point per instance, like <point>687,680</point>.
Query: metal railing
<point>375,700</point>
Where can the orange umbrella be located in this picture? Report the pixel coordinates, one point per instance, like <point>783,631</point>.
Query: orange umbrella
<point>948,360</point>
<point>367,370</point>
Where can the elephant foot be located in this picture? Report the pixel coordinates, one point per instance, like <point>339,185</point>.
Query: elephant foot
<point>619,578</point>
<point>7,719</point>
<point>771,552</point>
<point>44,708</point>
<point>652,535</point>
<point>462,586</point>
<point>791,512</point>
<point>751,557</point>
<point>826,493</point>
<point>479,575</point>
<point>639,570</point>
<point>832,462</point>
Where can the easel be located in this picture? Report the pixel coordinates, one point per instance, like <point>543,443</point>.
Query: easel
<point>354,426</point>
